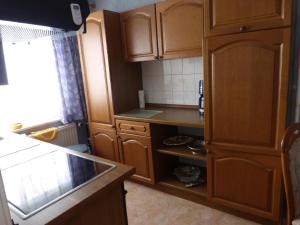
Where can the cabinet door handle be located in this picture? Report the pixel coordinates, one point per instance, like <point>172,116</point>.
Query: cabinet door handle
<point>242,28</point>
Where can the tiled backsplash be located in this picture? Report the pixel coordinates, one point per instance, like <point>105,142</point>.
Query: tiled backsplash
<point>173,81</point>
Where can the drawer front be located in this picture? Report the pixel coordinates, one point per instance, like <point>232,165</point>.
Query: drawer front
<point>132,127</point>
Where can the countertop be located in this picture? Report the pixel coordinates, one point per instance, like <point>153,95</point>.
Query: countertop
<point>187,117</point>
<point>10,151</point>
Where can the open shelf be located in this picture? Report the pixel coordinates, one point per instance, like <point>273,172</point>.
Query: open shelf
<point>172,182</point>
<point>182,152</point>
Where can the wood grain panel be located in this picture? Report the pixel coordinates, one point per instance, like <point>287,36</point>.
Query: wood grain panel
<point>105,209</point>
<point>139,34</point>
<point>105,144</point>
<point>250,183</point>
<point>235,85</point>
<point>93,58</point>
<point>180,28</point>
<point>246,85</point>
<point>234,16</point>
<point>137,152</point>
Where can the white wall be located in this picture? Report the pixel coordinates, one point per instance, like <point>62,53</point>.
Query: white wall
<point>122,5</point>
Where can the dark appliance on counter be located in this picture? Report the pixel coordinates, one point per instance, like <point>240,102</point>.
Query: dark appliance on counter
<point>201,97</point>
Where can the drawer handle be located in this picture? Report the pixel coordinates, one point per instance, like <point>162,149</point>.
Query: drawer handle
<point>131,128</point>
<point>242,29</point>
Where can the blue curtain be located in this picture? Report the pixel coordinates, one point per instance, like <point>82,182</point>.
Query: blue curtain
<point>70,79</point>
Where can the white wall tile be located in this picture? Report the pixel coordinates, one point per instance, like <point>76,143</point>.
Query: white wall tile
<point>199,65</point>
<point>167,67</point>
<point>158,96</point>
<point>158,67</point>
<point>167,83</point>
<point>188,83</point>
<point>158,82</point>
<point>147,97</point>
<point>173,81</point>
<point>177,83</point>
<point>188,66</point>
<point>176,66</point>
<point>146,84</point>
<point>178,97</point>
<point>198,76</point>
<point>189,98</point>
<point>168,95</point>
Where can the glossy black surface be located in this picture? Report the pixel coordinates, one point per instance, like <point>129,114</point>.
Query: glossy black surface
<point>35,184</point>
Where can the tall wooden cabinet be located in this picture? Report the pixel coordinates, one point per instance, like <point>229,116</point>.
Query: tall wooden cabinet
<point>105,74</point>
<point>168,29</point>
<point>246,90</point>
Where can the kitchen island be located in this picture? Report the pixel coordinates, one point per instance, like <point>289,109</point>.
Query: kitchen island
<point>98,202</point>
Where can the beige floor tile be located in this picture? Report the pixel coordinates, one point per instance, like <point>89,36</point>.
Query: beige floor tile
<point>146,206</point>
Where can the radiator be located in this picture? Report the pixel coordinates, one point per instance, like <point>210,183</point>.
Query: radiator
<point>66,135</point>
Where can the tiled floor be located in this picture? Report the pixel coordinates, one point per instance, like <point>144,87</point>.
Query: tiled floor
<point>146,206</point>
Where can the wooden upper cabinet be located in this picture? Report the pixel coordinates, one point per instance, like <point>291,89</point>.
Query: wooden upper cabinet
<point>93,60</point>
<point>246,182</point>
<point>246,87</point>
<point>169,29</point>
<point>234,16</point>
<point>139,34</point>
<point>180,28</point>
<point>104,143</point>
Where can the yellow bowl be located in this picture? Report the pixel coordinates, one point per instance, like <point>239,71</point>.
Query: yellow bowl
<point>16,126</point>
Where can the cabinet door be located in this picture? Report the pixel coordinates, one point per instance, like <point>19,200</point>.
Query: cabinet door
<point>246,182</point>
<point>105,144</point>
<point>233,16</point>
<point>180,28</point>
<point>139,34</point>
<point>246,81</point>
<point>96,77</point>
<point>136,151</point>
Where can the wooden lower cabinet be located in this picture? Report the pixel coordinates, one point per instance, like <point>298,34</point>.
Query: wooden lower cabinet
<point>136,151</point>
<point>105,144</point>
<point>108,208</point>
<point>247,182</point>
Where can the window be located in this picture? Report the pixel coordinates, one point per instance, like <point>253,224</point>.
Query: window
<point>32,95</point>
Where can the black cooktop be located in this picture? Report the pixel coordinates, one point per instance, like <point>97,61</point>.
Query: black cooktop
<point>39,182</point>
